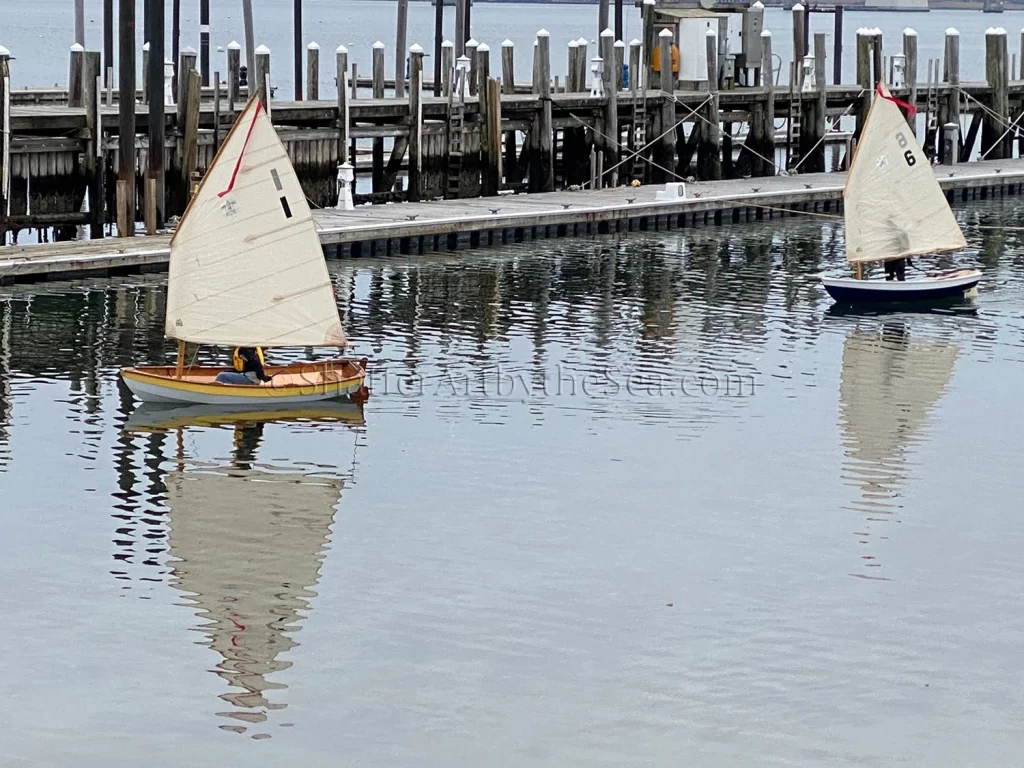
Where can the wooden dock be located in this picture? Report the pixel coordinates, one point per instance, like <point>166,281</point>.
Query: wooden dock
<point>415,228</point>
<point>78,156</point>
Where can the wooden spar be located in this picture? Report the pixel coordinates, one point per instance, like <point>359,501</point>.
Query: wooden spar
<point>126,119</point>
<point>155,87</point>
<point>313,72</point>
<point>297,47</point>
<point>180,367</point>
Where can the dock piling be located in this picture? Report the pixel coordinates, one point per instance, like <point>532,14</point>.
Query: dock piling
<point>259,78</point>
<point>401,30</point>
<point>108,43</point>
<point>378,93</point>
<point>75,75</point>
<point>461,32</point>
<point>438,43</point>
<point>508,85</point>
<point>341,78</point>
<point>709,150</point>
<point>995,139</point>
<point>950,113</point>
<point>204,41</point>
<point>297,47</point>
<point>154,86</point>
<point>250,43</point>
<point>5,140</point>
<point>234,55</point>
<point>471,50</point>
<point>910,54</point>
<point>647,23</point>
<point>864,40</point>
<point>80,23</point>
<point>313,72</point>
<point>416,114</point>
<point>126,120</point>
<point>542,170</point>
<point>447,67</point>
<point>799,43</point>
<point>145,67</point>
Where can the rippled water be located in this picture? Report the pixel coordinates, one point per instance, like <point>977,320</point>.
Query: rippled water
<point>639,501</point>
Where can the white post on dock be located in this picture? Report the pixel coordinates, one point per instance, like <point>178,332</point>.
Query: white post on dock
<point>346,174</point>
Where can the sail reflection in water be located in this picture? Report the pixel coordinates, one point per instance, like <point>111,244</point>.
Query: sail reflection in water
<point>889,385</point>
<point>246,543</point>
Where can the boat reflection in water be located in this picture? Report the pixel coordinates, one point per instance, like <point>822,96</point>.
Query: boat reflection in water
<point>246,543</point>
<point>889,385</point>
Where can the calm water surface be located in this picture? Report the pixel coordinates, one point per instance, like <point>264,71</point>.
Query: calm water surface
<point>640,501</point>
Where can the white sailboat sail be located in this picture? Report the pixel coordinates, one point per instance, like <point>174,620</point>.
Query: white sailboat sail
<point>894,207</point>
<point>246,265</point>
<point>248,546</point>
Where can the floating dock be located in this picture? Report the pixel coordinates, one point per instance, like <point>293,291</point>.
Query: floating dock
<point>415,228</point>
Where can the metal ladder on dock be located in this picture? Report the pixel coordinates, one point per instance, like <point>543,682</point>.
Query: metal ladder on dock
<point>456,121</point>
<point>639,137</point>
<point>795,123</point>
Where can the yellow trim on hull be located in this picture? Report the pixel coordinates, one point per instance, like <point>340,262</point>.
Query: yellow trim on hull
<point>314,380</point>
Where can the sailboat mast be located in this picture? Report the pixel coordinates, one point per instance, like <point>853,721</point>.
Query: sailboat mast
<point>179,372</point>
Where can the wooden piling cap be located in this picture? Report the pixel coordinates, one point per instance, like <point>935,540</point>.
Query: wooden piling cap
<point>995,31</point>
<point>607,33</point>
<point>447,44</point>
<point>415,48</point>
<point>709,33</point>
<point>341,49</point>
<point>260,50</point>
<point>619,44</point>
<point>766,33</point>
<point>378,46</point>
<point>798,7</point>
<point>506,43</point>
<point>543,33</point>
<point>4,53</point>
<point>483,48</point>
<point>313,47</point>
<point>908,32</point>
<point>633,42</point>
<point>78,47</point>
<point>234,46</point>
<point>648,2</point>
<point>668,33</point>
<point>188,50</point>
<point>758,6</point>
<point>472,43</point>
<point>952,31</point>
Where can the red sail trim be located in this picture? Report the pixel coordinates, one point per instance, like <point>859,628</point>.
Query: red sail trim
<point>238,164</point>
<point>911,109</point>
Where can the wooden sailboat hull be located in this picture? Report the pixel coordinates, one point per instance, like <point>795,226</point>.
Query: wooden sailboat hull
<point>162,417</point>
<point>291,384</point>
<point>944,287</point>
